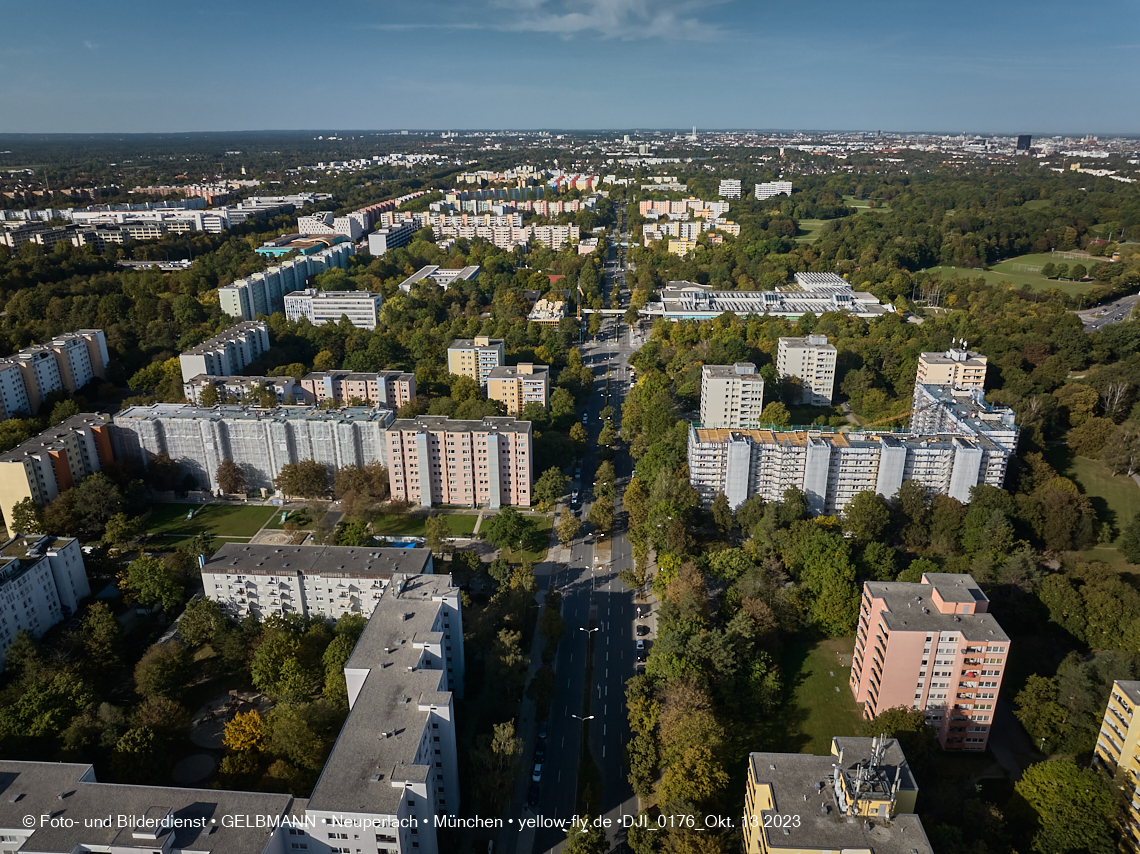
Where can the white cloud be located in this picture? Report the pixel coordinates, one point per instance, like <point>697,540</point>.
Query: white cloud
<point>90,45</point>
<point>621,19</point>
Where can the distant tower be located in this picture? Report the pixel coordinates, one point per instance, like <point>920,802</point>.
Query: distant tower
<point>1023,141</point>
<point>694,136</point>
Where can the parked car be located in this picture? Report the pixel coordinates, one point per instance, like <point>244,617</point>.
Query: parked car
<point>532,794</point>
<point>642,630</point>
<point>536,774</point>
<point>641,656</point>
<point>640,645</point>
<point>542,729</point>
<point>540,750</point>
<point>585,417</point>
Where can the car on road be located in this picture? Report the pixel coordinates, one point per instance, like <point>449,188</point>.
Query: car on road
<point>540,750</point>
<point>640,645</point>
<point>640,669</point>
<point>578,471</point>
<point>536,774</point>
<point>640,656</point>
<point>532,794</point>
<point>642,630</point>
<point>543,727</point>
<point>585,417</point>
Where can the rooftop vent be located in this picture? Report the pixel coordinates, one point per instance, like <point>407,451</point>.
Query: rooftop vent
<point>771,767</point>
<point>15,797</point>
<point>376,778</point>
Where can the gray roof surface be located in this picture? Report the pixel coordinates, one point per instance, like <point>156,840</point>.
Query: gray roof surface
<point>51,439</point>
<point>441,423</point>
<point>469,344</point>
<point>235,333</point>
<point>1130,689</point>
<point>356,375</point>
<point>237,412</point>
<point>906,610</point>
<point>729,371</point>
<point>795,789</point>
<point>383,743</point>
<point>513,371</point>
<point>804,343</point>
<point>38,786</point>
<point>329,561</point>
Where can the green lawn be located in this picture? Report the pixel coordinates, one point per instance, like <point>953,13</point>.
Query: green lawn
<point>1034,204</point>
<point>815,712</point>
<point>297,514</point>
<point>861,205</point>
<point>460,524</point>
<point>543,525</point>
<point>1116,499</point>
<point>1038,283</point>
<point>809,230</point>
<point>233,521</point>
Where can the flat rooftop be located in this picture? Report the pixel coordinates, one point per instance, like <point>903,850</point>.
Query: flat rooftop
<point>317,376</point>
<point>237,332</point>
<point>908,607</point>
<point>469,344</point>
<point>739,369</point>
<point>1130,689</point>
<point>442,424</point>
<point>54,438</point>
<point>327,561</point>
<point>189,412</point>
<point>375,752</point>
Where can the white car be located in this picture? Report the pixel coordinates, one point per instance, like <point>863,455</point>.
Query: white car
<point>536,774</point>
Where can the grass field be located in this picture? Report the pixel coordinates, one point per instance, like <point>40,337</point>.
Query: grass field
<point>809,230</point>
<point>1116,499</point>
<point>861,205</point>
<point>815,711</point>
<point>228,521</point>
<point>461,524</point>
<point>543,524</point>
<point>1038,283</point>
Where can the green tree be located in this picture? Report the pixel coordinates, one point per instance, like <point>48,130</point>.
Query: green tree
<point>208,396</point>
<point>542,690</point>
<point>601,516</point>
<point>27,518</point>
<point>1070,808</point>
<point>585,838</point>
<point>508,529</point>
<point>201,622</point>
<point>63,410</point>
<point>149,580</point>
<point>1130,541</point>
<point>722,514</point>
<point>549,488</point>
<point>231,478</point>
<point>608,435</point>
<point>568,528</point>
<point>163,670</point>
<point>306,479</point>
<point>776,413</point>
<point>437,533</point>
<point>1090,437</point>
<point>561,404</point>
<point>122,529</point>
<point>866,516</point>
<point>100,632</point>
<point>635,501</point>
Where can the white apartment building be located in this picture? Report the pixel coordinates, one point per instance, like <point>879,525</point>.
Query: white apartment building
<point>832,468</point>
<point>237,389</point>
<point>958,368</point>
<point>773,188</point>
<point>812,361</point>
<point>731,396</point>
<point>351,226</point>
<point>66,362</point>
<point>261,441</point>
<point>54,461</point>
<point>730,188</point>
<point>475,357</point>
<point>362,308</point>
<point>312,581</point>
<point>42,580</point>
<point>516,386</point>
<point>227,354</point>
<point>264,293</point>
<point>389,389</point>
<point>437,460</point>
<point>390,237</point>
<point>942,409</point>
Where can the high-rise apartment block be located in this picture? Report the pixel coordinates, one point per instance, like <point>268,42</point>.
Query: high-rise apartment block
<point>861,798</point>
<point>65,363</point>
<point>1117,752</point>
<point>475,357</point>
<point>264,293</point>
<point>389,389</point>
<point>42,580</point>
<point>811,360</point>
<point>773,188</point>
<point>730,188</point>
<point>261,441</point>
<point>931,646</point>
<point>391,237</point>
<point>516,386</point>
<point>956,368</point>
<point>227,354</point>
<point>54,461</point>
<point>362,308</point>
<point>732,396</point>
<point>437,460</point>
<point>240,389</point>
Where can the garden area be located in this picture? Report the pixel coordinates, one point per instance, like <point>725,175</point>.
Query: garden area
<point>227,522</point>
<point>820,704</point>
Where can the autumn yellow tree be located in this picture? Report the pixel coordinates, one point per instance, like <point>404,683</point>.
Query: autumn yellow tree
<point>244,732</point>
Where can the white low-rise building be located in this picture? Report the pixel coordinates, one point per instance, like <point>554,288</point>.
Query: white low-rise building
<point>362,308</point>
<point>768,189</point>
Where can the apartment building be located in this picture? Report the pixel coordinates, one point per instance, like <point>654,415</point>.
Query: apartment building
<point>931,646</point>
<point>391,774</point>
<point>54,461</point>
<point>351,226</point>
<point>362,308</point>
<point>732,396</point>
<point>1117,752</point>
<point>441,277</point>
<point>389,389</point>
<point>831,468</point>
<point>861,798</point>
<point>812,361</point>
<point>730,188</point>
<point>547,312</point>
<point>227,354</point>
<point>264,292</point>
<point>958,367</point>
<point>475,357</point>
<point>516,386</point>
<point>261,441</point>
<point>312,581</point>
<point>285,390</point>
<point>391,237</point>
<point>944,409</point>
<point>768,189</point>
<point>437,460</point>
<point>42,580</point>
<point>67,362</point>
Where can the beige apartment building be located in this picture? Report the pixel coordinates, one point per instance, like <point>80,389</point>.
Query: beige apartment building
<point>516,386</point>
<point>475,357</point>
<point>812,361</point>
<point>1117,753</point>
<point>390,389</point>
<point>732,396</point>
<point>437,460</point>
<point>957,367</point>
<point>931,646</point>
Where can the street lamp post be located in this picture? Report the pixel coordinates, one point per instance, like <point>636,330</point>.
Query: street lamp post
<point>582,719</point>
<point>588,631</point>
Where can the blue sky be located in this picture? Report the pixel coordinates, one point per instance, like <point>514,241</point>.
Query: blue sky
<point>158,65</point>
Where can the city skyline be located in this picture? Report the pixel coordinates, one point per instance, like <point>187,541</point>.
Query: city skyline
<point>564,64</point>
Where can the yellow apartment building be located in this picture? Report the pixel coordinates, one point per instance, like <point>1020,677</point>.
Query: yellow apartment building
<point>1117,752</point>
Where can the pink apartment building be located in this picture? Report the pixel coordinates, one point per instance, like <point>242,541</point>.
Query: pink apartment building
<point>437,460</point>
<point>389,389</point>
<point>931,646</point>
